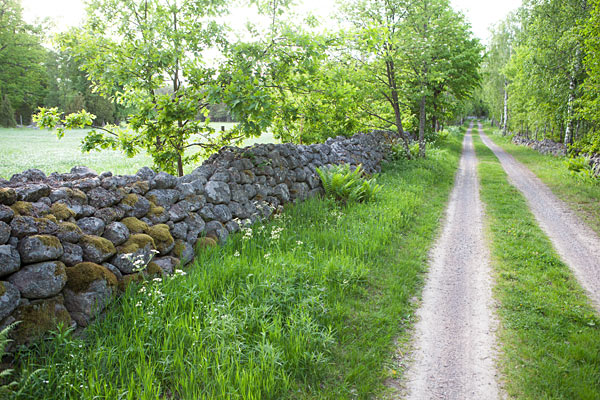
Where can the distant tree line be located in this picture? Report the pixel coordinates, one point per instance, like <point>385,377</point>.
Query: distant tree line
<point>542,72</point>
<point>408,66</point>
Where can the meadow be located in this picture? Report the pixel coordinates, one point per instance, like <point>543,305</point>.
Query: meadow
<point>24,148</point>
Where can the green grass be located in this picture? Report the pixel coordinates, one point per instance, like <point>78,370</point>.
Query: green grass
<point>310,307</point>
<point>550,336</point>
<point>23,148</point>
<point>583,197</point>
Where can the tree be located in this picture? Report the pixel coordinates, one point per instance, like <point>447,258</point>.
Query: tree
<point>7,113</point>
<point>150,53</point>
<point>22,72</point>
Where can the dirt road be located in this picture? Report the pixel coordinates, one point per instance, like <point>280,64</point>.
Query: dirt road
<point>454,338</point>
<point>575,242</point>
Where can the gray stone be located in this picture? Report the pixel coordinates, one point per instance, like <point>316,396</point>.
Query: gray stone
<point>96,249</point>
<point>10,260</point>
<point>236,210</point>
<point>232,227</point>
<point>6,213</point>
<point>99,197</point>
<point>179,230</point>
<point>179,211</point>
<point>61,193</point>
<point>195,202</point>
<point>217,229</point>
<point>87,184</point>
<point>221,175</point>
<point>282,192</point>
<point>126,263</point>
<point>84,306</point>
<point>167,264</point>
<point>222,213</point>
<point>9,299</point>
<point>163,197</point>
<point>186,189</point>
<point>46,226</point>
<point>91,226</point>
<point>138,209</point>
<point>162,180</point>
<point>72,254</point>
<point>8,196</point>
<point>207,212</point>
<point>114,270</point>
<point>30,175</point>
<point>196,226</point>
<point>185,252</point>
<point>4,232</point>
<point>109,214</point>
<point>32,193</point>
<point>69,232</point>
<point>34,249</point>
<point>83,172</point>
<point>299,191</point>
<point>218,192</point>
<point>86,211</point>
<point>38,281</point>
<point>117,233</point>
<point>145,173</point>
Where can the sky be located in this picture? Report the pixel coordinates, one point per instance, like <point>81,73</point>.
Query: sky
<point>481,13</point>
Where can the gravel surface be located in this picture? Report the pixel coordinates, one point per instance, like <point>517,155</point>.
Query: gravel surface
<point>576,243</point>
<point>454,356</point>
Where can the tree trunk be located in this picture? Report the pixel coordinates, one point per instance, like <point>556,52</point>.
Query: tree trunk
<point>571,100</point>
<point>422,127</point>
<point>395,103</point>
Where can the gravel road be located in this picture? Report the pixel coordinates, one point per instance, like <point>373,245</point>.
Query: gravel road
<point>454,356</point>
<point>576,243</point>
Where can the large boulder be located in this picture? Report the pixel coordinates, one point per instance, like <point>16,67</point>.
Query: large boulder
<point>41,280</point>
<point>89,289</point>
<point>10,260</point>
<point>32,193</point>
<point>96,249</point>
<point>39,317</point>
<point>72,255</point>
<point>91,226</point>
<point>39,248</point>
<point>218,192</point>
<point>163,240</point>
<point>117,233</point>
<point>23,226</point>
<point>101,198</point>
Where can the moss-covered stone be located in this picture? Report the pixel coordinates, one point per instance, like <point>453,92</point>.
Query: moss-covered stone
<point>49,241</point>
<point>130,199</point>
<point>128,280</point>
<point>61,211</point>
<point>38,318</point>
<point>23,208</point>
<point>80,276</point>
<point>141,187</point>
<point>162,238</point>
<point>8,196</point>
<point>153,269</point>
<point>205,242</point>
<point>3,289</point>
<point>156,210</point>
<point>135,243</point>
<point>97,249</point>
<point>135,225</point>
<point>46,225</point>
<point>78,196</point>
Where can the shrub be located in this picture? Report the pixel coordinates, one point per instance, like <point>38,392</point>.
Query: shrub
<point>347,185</point>
<point>581,169</point>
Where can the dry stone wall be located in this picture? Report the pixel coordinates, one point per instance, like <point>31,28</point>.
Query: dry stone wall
<point>70,242</point>
<point>548,146</point>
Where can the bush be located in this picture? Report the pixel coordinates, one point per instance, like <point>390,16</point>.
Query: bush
<point>581,169</point>
<point>347,185</point>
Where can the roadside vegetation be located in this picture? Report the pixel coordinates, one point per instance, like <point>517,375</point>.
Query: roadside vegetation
<point>308,306</point>
<point>550,335</point>
<point>581,195</point>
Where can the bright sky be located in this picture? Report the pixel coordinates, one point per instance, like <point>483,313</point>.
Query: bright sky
<point>481,13</point>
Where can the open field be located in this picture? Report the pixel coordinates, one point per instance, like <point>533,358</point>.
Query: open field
<point>24,148</point>
<point>310,306</point>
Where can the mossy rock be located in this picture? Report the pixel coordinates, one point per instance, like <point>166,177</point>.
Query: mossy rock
<point>97,249</point>
<point>135,243</point>
<point>69,227</point>
<point>153,269</point>
<point>78,195</point>
<point>23,208</point>
<point>8,196</point>
<point>80,276</point>
<point>135,225</point>
<point>46,225</point>
<point>129,279</point>
<point>38,318</point>
<point>130,199</point>
<point>206,242</point>
<point>162,238</point>
<point>156,210</point>
<point>3,289</point>
<point>61,211</point>
<point>141,187</point>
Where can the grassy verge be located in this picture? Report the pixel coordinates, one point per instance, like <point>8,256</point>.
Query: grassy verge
<point>307,307</point>
<point>583,197</point>
<point>25,148</point>
<point>549,333</point>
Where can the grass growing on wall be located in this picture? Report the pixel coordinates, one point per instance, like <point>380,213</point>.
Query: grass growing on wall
<point>550,334</point>
<point>581,196</point>
<point>308,306</point>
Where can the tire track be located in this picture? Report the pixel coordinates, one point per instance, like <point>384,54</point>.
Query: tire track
<point>576,243</point>
<point>454,355</point>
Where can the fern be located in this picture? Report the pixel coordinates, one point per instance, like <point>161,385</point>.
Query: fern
<point>347,185</point>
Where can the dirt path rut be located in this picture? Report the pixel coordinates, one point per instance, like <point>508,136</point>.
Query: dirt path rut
<point>576,243</point>
<point>454,338</point>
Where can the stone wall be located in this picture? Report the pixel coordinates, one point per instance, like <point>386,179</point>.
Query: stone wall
<point>70,242</point>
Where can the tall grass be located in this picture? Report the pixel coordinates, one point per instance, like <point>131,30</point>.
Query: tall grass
<point>308,306</point>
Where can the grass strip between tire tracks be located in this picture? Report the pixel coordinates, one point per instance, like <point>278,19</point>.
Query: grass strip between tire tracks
<point>550,335</point>
<point>308,306</point>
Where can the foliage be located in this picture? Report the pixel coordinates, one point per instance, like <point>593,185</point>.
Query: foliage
<point>282,311</point>
<point>346,184</point>
<point>22,74</point>
<point>581,168</point>
<point>7,113</point>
